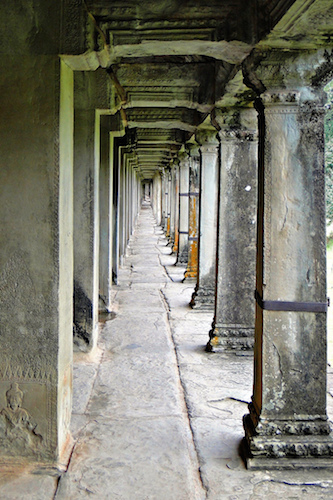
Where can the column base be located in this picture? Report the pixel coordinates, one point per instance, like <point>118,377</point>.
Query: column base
<point>233,338</point>
<point>190,276</point>
<point>23,465</point>
<point>203,299</point>
<point>182,258</point>
<point>287,444</point>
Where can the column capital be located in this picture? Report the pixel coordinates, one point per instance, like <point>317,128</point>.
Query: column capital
<point>174,163</point>
<point>192,149</point>
<point>281,97</point>
<point>207,140</point>
<point>276,71</point>
<point>237,124</point>
<point>183,159</point>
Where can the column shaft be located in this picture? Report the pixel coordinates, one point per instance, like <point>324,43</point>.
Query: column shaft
<point>184,167</point>
<point>233,324</point>
<point>204,295</point>
<point>176,208</point>
<point>193,217</point>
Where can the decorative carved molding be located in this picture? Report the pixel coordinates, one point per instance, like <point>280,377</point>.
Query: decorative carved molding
<point>238,134</point>
<point>284,98</point>
<point>208,141</point>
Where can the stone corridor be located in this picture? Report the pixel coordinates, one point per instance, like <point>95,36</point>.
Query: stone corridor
<point>155,417</point>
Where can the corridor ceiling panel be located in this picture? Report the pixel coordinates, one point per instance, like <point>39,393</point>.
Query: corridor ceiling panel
<point>171,61</point>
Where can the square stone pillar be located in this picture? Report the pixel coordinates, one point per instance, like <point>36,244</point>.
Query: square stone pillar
<point>91,154</point>
<point>287,425</point>
<point>108,211</point>
<point>204,295</point>
<point>193,214</point>
<point>36,259</point>
<point>122,202</point>
<point>184,166</point>
<point>233,324</point>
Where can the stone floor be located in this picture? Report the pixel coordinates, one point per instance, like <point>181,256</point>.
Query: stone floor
<point>155,417</point>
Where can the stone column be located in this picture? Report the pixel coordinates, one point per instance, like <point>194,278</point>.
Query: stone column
<point>122,218</point>
<point>157,197</point>
<point>184,168</point>
<point>193,216</point>
<point>168,202</point>
<point>233,324</point>
<point>176,208</point>
<point>204,295</point>
<point>172,203</point>
<point>287,425</point>
<point>164,199</point>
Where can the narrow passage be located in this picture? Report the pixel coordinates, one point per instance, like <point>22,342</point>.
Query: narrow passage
<point>134,438</point>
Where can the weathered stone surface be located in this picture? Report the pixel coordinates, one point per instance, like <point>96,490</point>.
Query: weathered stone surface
<point>193,214</point>
<point>284,422</point>
<point>184,166</point>
<point>233,325</point>
<point>36,264</point>
<point>204,295</point>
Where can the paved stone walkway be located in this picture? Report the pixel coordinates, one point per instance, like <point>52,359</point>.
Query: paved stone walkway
<point>155,417</point>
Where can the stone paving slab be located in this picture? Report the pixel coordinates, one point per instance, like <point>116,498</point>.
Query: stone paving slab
<point>123,388</point>
<point>25,486</point>
<point>128,459</point>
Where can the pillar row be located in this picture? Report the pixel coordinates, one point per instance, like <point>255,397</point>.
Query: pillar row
<point>233,324</point>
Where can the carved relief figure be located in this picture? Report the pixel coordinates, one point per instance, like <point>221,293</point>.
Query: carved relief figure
<point>19,428</point>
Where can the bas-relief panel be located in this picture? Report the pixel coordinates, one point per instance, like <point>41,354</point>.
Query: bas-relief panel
<point>26,366</point>
<point>24,418</point>
<point>25,314</point>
